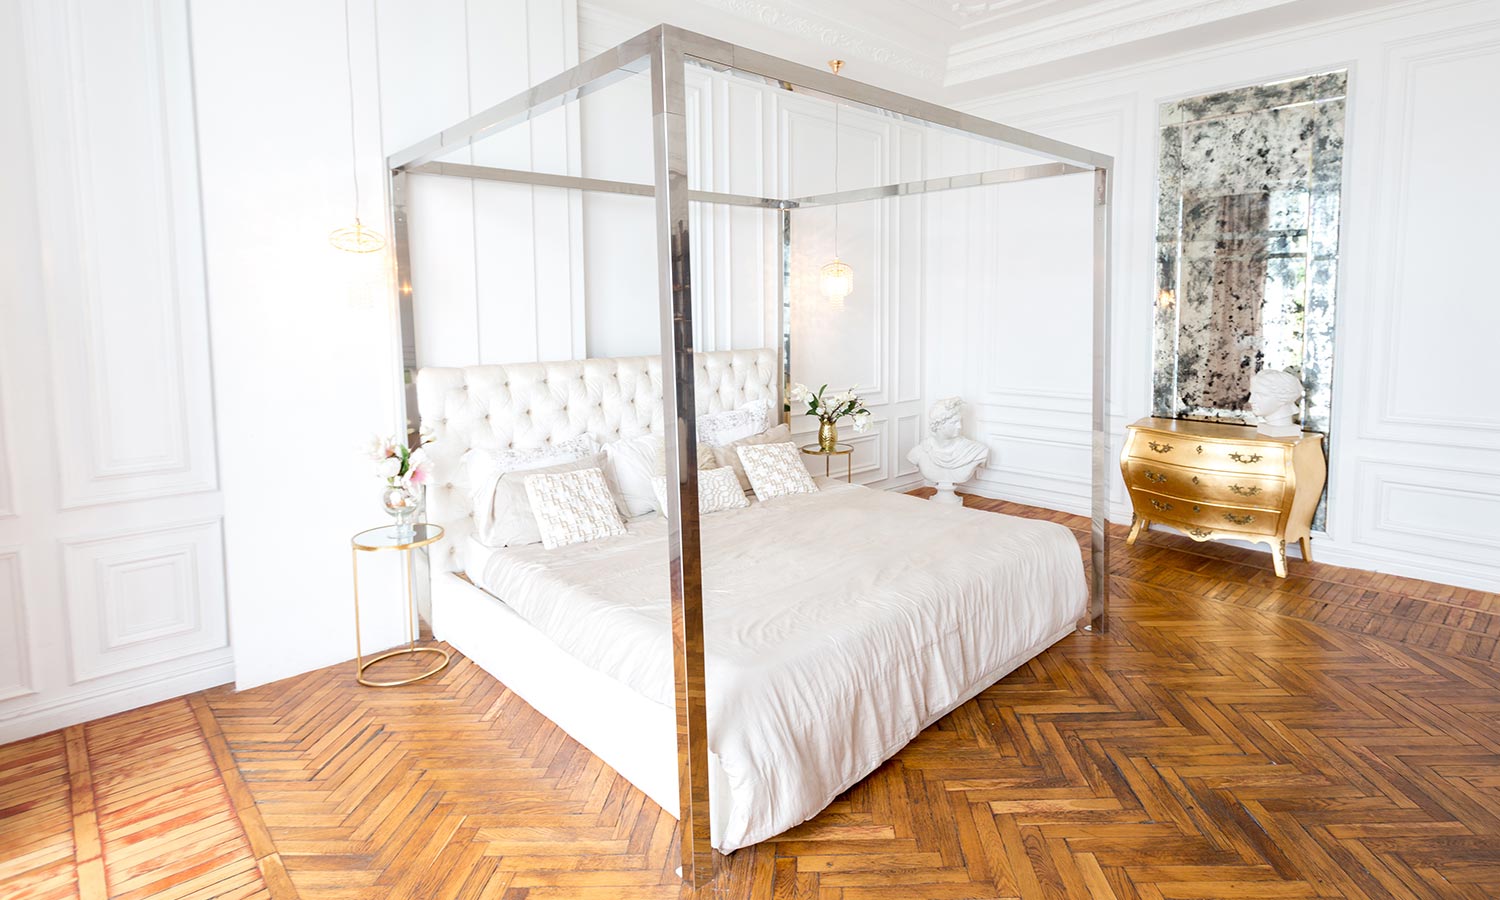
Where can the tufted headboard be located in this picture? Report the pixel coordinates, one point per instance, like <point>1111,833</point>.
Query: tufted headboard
<point>534,404</point>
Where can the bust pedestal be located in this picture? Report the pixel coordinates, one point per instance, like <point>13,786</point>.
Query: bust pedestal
<point>946,463</point>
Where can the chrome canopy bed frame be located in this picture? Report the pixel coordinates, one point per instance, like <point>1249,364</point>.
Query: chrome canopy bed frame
<point>664,51</point>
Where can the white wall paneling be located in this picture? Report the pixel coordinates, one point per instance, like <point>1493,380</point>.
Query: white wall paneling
<point>15,645</point>
<point>118,211</point>
<point>1415,449</point>
<point>106,413</point>
<point>133,598</point>
<point>497,269</point>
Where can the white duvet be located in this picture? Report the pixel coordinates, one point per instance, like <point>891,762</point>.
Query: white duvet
<point>837,626</point>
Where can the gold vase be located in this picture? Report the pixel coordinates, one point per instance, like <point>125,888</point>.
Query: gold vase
<point>828,436</point>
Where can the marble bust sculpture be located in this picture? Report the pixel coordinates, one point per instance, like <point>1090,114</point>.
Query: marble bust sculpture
<point>946,457</point>
<point>1276,397</point>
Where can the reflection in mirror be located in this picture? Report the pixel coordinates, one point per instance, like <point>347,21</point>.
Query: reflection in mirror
<point>1247,246</point>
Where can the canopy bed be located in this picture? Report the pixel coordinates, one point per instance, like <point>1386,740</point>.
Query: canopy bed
<point>809,682</point>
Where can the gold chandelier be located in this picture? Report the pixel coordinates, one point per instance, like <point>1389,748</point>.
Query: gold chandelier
<point>354,238</point>
<point>837,277</point>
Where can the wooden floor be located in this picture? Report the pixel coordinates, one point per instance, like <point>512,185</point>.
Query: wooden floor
<point>1335,734</point>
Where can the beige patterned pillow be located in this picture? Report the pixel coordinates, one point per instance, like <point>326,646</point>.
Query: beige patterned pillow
<point>775,470</point>
<point>573,507</point>
<point>729,455</point>
<point>718,490</point>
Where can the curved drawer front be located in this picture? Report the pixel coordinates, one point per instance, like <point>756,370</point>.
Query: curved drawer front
<point>1227,488</point>
<point>1251,457</point>
<point>1212,516</point>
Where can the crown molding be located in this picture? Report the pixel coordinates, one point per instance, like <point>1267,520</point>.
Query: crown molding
<point>1097,26</point>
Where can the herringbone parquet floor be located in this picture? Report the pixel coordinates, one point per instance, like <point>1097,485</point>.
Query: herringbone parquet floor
<point>1336,734</point>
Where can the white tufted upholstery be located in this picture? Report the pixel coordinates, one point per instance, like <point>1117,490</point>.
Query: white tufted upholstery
<point>535,404</point>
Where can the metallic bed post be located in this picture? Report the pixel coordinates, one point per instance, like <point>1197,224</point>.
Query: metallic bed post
<point>669,134</point>
<point>784,311</point>
<point>405,315</point>
<point>1099,528</point>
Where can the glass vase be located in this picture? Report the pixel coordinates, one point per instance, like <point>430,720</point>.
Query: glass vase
<point>828,436</point>
<point>404,503</point>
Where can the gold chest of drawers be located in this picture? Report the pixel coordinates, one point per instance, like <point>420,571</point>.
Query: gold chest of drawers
<point>1210,480</point>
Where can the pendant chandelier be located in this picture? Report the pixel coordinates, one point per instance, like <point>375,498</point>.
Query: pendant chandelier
<point>837,277</point>
<point>354,238</point>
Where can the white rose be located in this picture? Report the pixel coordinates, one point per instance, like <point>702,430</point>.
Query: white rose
<point>389,468</point>
<point>861,424</point>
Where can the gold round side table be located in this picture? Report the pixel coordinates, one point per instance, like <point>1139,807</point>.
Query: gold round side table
<point>375,540</point>
<point>844,450</point>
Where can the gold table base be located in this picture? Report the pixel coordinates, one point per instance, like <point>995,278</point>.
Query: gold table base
<point>364,665</point>
<point>375,540</point>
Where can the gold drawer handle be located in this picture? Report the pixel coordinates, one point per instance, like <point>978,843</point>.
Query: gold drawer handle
<point>1159,448</point>
<point>1244,491</point>
<point>1199,532</point>
<point>1247,460</point>
<point>1157,504</point>
<point>1152,476</point>
<point>1239,520</point>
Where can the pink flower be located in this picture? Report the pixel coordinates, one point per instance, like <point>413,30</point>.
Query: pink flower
<point>419,475</point>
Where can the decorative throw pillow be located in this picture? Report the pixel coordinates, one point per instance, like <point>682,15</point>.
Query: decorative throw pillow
<point>718,490</point>
<point>573,507</point>
<point>485,466</point>
<point>729,455</point>
<point>775,470</point>
<point>504,517</point>
<point>629,466</point>
<point>720,428</point>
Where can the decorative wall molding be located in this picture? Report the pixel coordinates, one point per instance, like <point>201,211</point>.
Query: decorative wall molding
<point>1442,512</point>
<point>142,597</point>
<point>1087,28</point>
<point>1404,62</point>
<point>16,676</point>
<point>7,489</point>
<point>125,292</point>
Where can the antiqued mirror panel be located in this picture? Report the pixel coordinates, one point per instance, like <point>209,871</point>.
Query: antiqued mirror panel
<point>1247,246</point>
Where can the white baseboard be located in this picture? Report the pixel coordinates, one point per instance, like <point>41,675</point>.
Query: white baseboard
<point>210,671</point>
<point>1325,549</point>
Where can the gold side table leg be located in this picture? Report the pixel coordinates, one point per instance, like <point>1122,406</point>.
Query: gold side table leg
<point>411,648</point>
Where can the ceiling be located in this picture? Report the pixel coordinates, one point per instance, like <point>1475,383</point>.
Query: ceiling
<point>958,48</point>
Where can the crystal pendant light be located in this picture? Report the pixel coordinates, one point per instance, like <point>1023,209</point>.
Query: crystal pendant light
<point>354,238</point>
<point>837,278</point>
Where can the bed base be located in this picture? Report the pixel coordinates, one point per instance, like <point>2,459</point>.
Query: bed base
<point>633,735</point>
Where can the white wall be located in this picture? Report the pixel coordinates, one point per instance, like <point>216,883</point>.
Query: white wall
<point>1415,468</point>
<point>111,578</point>
<point>304,336</point>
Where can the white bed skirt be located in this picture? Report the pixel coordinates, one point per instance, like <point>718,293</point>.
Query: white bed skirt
<point>635,736</point>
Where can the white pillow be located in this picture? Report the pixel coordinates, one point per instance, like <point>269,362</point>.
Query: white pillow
<point>484,466</point>
<point>629,466</point>
<point>718,490</point>
<point>573,507</point>
<point>720,428</point>
<point>502,511</point>
<point>776,470</point>
<point>729,455</point>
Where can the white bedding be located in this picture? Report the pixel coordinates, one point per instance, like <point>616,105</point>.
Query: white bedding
<point>837,626</point>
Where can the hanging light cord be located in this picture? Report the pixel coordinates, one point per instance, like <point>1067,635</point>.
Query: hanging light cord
<point>349,79</point>
<point>836,169</point>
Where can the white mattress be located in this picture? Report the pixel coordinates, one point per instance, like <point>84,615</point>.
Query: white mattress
<point>837,626</point>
